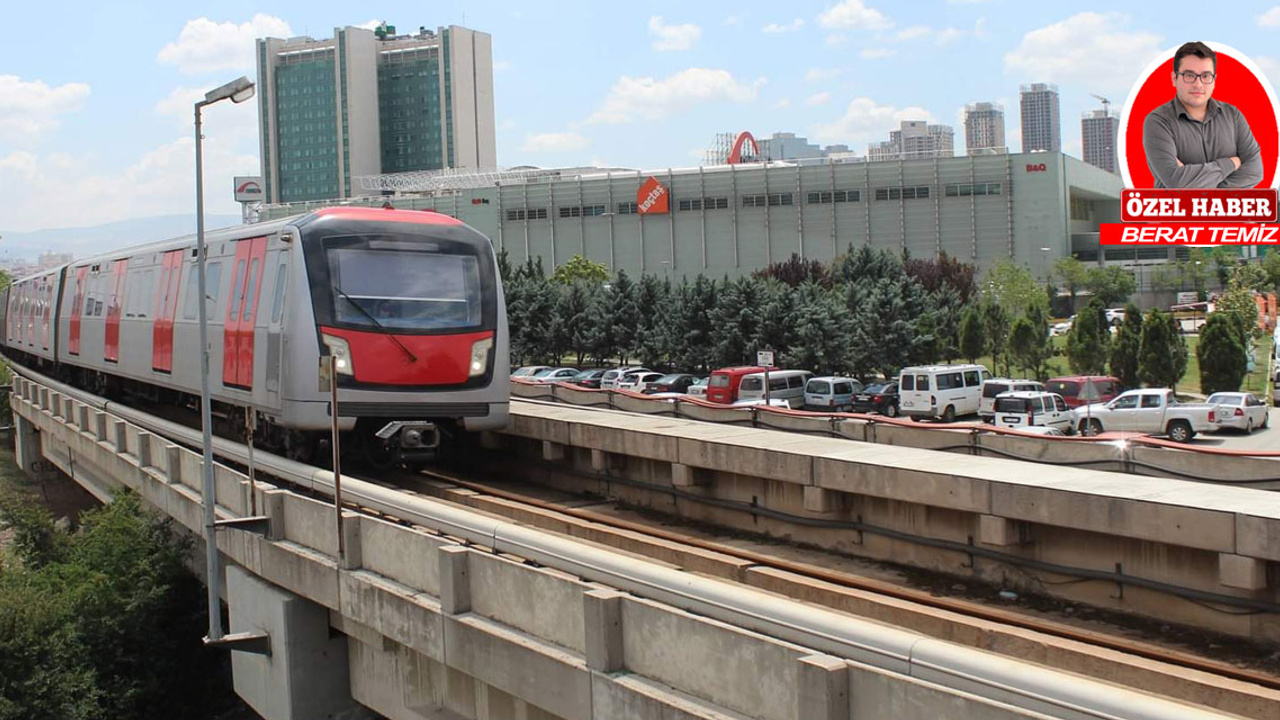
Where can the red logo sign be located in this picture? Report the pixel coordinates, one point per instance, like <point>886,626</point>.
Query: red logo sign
<point>1036,167</point>
<point>653,197</point>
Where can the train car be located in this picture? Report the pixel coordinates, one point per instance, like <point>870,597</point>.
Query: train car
<point>409,304</point>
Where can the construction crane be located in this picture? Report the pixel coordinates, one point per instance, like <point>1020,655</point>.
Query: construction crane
<point>1105,103</point>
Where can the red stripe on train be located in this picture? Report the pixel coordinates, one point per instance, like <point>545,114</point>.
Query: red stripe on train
<point>442,359</point>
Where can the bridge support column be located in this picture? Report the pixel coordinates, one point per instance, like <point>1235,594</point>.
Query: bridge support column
<point>995,530</point>
<point>602,627</point>
<point>455,579</point>
<point>1239,571</point>
<point>824,688</point>
<point>306,675</point>
<point>27,447</point>
<point>100,425</point>
<point>552,451</point>
<point>821,500</point>
<point>686,476</point>
<point>119,435</point>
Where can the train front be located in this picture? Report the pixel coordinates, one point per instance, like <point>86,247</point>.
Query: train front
<point>409,305</point>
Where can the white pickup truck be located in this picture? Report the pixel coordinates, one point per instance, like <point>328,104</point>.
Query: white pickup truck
<point>1154,412</point>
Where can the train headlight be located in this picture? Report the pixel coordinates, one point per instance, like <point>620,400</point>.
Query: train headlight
<point>480,356</point>
<point>341,352</point>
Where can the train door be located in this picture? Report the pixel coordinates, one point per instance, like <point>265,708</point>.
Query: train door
<point>275,324</point>
<point>77,306</point>
<point>115,307</point>
<point>167,304</point>
<point>46,311</point>
<point>242,311</point>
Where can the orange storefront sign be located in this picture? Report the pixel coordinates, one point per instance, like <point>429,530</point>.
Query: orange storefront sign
<point>653,197</point>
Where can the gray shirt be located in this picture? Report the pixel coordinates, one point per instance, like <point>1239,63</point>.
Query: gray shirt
<point>1205,147</point>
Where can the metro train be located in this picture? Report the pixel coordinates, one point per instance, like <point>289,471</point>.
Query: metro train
<point>408,304</point>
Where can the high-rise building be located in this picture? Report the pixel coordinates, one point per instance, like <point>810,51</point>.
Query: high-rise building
<point>1041,126</point>
<point>1099,129</point>
<point>370,102</point>
<point>915,139</point>
<point>984,129</point>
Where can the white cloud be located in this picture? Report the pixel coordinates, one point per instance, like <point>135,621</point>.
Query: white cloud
<point>1270,67</point>
<point>775,28</point>
<point>555,142</point>
<point>228,121</point>
<point>1270,18</point>
<point>507,124</point>
<point>645,98</point>
<point>1088,48</point>
<point>853,15</point>
<point>370,24</point>
<point>673,37</point>
<point>876,53</point>
<point>781,104</point>
<point>817,98</point>
<point>817,74</point>
<point>865,121</point>
<point>27,109</point>
<point>835,39</point>
<point>733,20</point>
<point>913,32</point>
<point>206,46</point>
<point>500,65</point>
<point>965,2</point>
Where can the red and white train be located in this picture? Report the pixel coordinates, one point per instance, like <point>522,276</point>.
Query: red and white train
<point>409,304</point>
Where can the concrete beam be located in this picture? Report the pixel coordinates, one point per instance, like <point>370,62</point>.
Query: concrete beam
<point>823,692</point>
<point>600,461</point>
<point>820,500</point>
<point>1238,571</point>
<point>687,476</point>
<point>119,435</point>
<point>352,557</point>
<point>552,451</point>
<point>602,628</point>
<point>993,530</point>
<point>173,464</point>
<point>455,579</point>
<point>144,449</point>
<point>100,425</point>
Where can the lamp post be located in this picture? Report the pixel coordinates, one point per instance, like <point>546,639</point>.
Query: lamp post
<point>238,91</point>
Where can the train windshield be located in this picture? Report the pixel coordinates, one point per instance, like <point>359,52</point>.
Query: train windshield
<point>391,286</point>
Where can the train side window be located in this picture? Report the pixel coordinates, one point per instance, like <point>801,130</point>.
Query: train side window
<point>147,293</point>
<point>251,290</point>
<point>277,304</point>
<point>237,289</point>
<point>213,272</point>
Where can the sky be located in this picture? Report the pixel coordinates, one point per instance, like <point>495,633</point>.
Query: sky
<point>96,98</point>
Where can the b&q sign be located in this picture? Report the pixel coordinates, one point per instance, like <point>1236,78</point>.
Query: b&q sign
<point>653,197</point>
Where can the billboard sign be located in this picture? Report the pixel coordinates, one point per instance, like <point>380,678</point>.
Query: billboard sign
<point>653,198</point>
<point>248,188</point>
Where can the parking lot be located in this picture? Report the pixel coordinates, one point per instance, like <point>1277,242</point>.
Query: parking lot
<point>1236,440</point>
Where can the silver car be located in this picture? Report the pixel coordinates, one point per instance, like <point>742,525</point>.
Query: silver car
<point>1245,411</point>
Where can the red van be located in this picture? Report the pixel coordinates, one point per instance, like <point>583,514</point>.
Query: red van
<point>723,386</point>
<point>1080,390</point>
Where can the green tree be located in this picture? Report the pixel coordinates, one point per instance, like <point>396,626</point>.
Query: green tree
<point>692,317</point>
<point>736,320</point>
<point>773,329</point>
<point>1111,284</point>
<point>1238,301</point>
<point>995,320</point>
<point>1073,274</point>
<point>1271,266</point>
<point>948,311</point>
<point>624,313</point>
<point>572,313</point>
<point>1126,347</point>
<point>973,337</point>
<point>1222,355</point>
<point>818,336</point>
<point>1162,357</point>
<point>650,343</point>
<point>580,269</point>
<point>1088,343</point>
<point>1014,288</point>
<point>504,266</point>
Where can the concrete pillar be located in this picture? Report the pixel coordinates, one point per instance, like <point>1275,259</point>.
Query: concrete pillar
<point>82,418</point>
<point>26,445</point>
<point>55,402</point>
<point>307,673</point>
<point>119,435</point>
<point>994,530</point>
<point>144,449</point>
<point>272,505</point>
<point>69,411</point>
<point>686,476</point>
<point>455,579</point>
<point>823,688</point>
<point>1239,571</point>
<point>600,461</point>
<point>552,451</point>
<point>821,500</point>
<point>173,464</point>
<point>490,440</point>
<point>100,425</point>
<point>42,394</point>
<point>602,629</point>
<point>351,553</point>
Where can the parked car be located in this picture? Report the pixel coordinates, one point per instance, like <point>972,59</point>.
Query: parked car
<point>1021,409</point>
<point>528,372</point>
<point>672,383</point>
<point>589,379</point>
<point>1061,328</point>
<point>1115,316</point>
<point>1081,390</point>
<point>637,381</point>
<point>609,381</point>
<point>997,386</point>
<point>783,385</point>
<point>564,374</point>
<point>1043,430</point>
<point>724,383</point>
<point>942,392</point>
<point>877,398</point>
<point>1151,411</point>
<point>699,388</point>
<point>830,393</point>
<point>1245,411</point>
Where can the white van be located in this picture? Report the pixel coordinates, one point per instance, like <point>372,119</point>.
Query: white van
<point>783,385</point>
<point>830,393</point>
<point>943,392</point>
<point>1021,410</point>
<point>997,386</point>
<point>611,379</point>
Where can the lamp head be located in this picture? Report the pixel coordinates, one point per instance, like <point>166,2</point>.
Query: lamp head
<point>238,90</point>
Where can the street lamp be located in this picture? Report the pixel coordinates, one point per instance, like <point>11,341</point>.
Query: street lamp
<point>238,91</point>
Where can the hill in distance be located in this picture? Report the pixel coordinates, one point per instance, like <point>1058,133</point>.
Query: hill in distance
<point>83,241</point>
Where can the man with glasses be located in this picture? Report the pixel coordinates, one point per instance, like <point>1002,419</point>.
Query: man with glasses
<point>1194,141</point>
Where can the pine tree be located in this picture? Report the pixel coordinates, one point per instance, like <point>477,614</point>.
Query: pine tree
<point>1089,342</point>
<point>1126,347</point>
<point>572,311</point>
<point>736,320</point>
<point>995,321</point>
<point>948,311</point>
<point>649,346</point>
<point>817,331</point>
<point>1162,356</point>
<point>773,328</point>
<point>973,337</point>
<point>625,314</point>
<point>1029,344</point>
<point>598,329</point>
<point>1223,358</point>
<point>692,316</point>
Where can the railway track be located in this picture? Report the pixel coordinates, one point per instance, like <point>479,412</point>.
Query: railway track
<point>1111,657</point>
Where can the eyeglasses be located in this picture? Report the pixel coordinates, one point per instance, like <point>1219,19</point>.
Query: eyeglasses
<point>1189,77</point>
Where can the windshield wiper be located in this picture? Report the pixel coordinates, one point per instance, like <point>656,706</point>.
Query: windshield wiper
<point>380,326</point>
